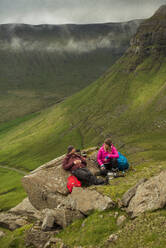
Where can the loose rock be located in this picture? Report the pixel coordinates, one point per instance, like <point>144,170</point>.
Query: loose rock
<point>121,220</point>
<point>112,238</point>
<point>2,234</point>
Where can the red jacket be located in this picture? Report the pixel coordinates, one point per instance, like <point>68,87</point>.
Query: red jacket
<point>68,162</point>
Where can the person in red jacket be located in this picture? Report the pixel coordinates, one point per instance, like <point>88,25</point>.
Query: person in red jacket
<point>107,157</point>
<point>77,165</point>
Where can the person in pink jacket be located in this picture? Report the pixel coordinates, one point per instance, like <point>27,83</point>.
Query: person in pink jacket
<point>107,157</point>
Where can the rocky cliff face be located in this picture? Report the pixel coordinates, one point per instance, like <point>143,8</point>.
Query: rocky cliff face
<point>150,38</point>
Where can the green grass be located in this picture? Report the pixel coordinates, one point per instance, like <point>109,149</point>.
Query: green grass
<point>148,230</point>
<point>92,231</point>
<point>14,239</point>
<point>11,190</point>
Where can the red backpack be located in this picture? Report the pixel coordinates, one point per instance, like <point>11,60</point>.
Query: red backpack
<point>72,181</point>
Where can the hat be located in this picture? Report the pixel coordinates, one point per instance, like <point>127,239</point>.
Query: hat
<point>69,149</point>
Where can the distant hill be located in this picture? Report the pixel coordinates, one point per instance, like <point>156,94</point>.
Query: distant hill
<point>42,64</point>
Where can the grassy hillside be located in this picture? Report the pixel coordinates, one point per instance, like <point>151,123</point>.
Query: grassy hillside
<point>119,104</point>
<point>129,107</point>
<point>41,65</point>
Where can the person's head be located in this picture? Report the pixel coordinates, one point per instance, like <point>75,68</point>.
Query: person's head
<point>108,143</point>
<point>71,150</point>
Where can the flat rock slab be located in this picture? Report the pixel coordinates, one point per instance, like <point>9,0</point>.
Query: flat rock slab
<point>87,200</point>
<point>11,221</point>
<point>149,196</point>
<point>25,208</point>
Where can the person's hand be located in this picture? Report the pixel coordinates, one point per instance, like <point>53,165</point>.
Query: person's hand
<point>102,168</point>
<point>106,158</point>
<point>77,161</point>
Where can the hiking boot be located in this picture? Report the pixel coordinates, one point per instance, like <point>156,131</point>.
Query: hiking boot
<point>99,181</point>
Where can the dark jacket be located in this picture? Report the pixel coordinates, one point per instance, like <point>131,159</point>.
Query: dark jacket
<point>68,162</point>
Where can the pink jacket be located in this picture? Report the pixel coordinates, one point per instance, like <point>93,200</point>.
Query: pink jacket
<point>102,154</point>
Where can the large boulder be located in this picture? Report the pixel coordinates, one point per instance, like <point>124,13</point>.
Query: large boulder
<point>86,200</point>
<point>46,186</point>
<point>131,193</point>
<point>149,196</point>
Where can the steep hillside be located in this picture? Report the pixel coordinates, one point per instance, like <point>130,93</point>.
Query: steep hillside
<point>128,100</point>
<point>41,65</point>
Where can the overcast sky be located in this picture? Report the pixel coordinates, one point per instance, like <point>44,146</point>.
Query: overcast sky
<point>75,11</point>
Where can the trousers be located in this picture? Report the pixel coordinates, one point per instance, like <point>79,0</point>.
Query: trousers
<point>86,177</point>
<point>112,165</point>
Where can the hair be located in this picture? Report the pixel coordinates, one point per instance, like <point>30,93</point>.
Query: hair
<point>69,149</point>
<point>108,142</point>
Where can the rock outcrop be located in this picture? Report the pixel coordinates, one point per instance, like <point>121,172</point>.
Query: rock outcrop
<point>131,193</point>
<point>149,196</point>
<point>149,39</point>
<point>46,186</point>
<point>50,200</point>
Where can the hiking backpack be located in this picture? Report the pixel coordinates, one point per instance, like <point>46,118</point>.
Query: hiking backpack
<point>122,162</point>
<point>72,181</point>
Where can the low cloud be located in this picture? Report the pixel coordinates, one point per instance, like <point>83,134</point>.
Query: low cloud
<point>69,46</point>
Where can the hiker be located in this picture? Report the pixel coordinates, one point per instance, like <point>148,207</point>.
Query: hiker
<point>77,165</point>
<point>107,158</point>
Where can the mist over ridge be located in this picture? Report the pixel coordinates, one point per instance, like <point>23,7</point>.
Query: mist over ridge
<point>71,38</point>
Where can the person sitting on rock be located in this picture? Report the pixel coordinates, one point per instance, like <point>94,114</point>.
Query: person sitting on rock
<point>107,157</point>
<point>77,165</point>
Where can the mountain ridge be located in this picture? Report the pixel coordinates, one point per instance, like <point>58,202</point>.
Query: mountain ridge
<point>41,66</point>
